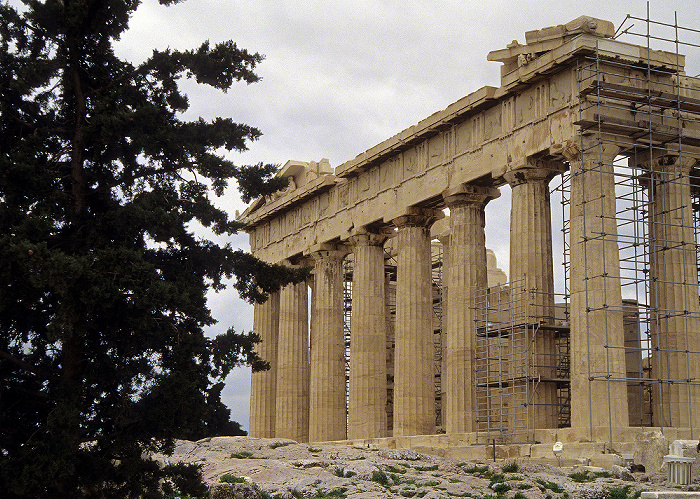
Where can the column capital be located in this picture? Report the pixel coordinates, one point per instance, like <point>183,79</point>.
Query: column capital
<point>328,251</point>
<point>574,149</point>
<point>663,160</point>
<point>469,194</point>
<point>418,217</point>
<point>364,237</point>
<point>534,170</point>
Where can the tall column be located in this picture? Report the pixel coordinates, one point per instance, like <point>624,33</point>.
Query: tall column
<point>263,383</point>
<point>292,411</point>
<point>531,263</point>
<point>414,379</point>
<point>673,290</point>
<point>327,416</point>
<point>367,397</point>
<point>598,389</point>
<point>465,273</point>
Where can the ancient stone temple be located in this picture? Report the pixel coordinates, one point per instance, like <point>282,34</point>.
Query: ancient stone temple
<point>407,326</point>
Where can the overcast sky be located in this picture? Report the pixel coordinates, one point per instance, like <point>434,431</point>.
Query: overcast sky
<point>341,76</point>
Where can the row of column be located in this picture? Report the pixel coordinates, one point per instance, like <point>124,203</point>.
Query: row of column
<point>305,400</point>
<point>414,389</point>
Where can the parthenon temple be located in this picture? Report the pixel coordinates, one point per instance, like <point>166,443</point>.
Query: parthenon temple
<point>407,327</point>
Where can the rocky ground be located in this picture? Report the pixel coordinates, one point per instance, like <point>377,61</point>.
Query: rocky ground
<point>285,469</point>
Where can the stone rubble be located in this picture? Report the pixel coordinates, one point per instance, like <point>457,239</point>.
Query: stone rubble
<point>285,469</point>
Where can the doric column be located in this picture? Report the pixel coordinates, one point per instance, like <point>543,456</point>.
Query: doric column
<point>673,291</point>
<point>292,411</point>
<point>531,264</point>
<point>327,415</point>
<point>367,397</point>
<point>414,377</point>
<point>263,383</point>
<point>598,389</point>
<point>465,273</point>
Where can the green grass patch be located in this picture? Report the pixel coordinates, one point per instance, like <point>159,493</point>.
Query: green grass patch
<point>381,478</point>
<point>333,494</point>
<point>431,483</point>
<point>524,486</point>
<point>477,470</point>
<point>242,455</point>
<point>275,445</point>
<point>433,467</point>
<point>511,467</point>
<point>394,469</point>
<point>550,486</point>
<point>519,495</point>
<point>580,477</point>
<point>229,478</point>
<point>500,488</point>
<point>623,493</point>
<point>498,478</point>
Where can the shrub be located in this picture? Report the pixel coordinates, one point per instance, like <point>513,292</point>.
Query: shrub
<point>500,488</point>
<point>229,478</point>
<point>275,445</point>
<point>427,468</point>
<point>511,467</point>
<point>380,477</point>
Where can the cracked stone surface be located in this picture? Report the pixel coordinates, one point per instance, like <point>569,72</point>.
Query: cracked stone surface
<point>287,469</point>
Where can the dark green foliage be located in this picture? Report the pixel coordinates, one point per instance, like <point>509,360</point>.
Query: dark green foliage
<point>394,469</point>
<point>623,493</point>
<point>477,470</point>
<point>432,467</point>
<point>550,486</point>
<point>103,357</point>
<point>497,478</point>
<point>275,445</point>
<point>380,477</point>
<point>587,476</point>
<point>229,478</point>
<point>580,477</point>
<point>511,467</point>
<point>500,488</point>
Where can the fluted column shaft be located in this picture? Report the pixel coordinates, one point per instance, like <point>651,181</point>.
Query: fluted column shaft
<point>367,397</point>
<point>263,384</point>
<point>414,379</point>
<point>327,415</point>
<point>465,274</point>
<point>292,411</point>
<point>673,285</point>
<point>531,262</point>
<point>597,337</point>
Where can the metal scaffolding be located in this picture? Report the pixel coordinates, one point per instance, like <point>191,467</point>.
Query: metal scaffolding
<point>650,114</point>
<point>512,363</point>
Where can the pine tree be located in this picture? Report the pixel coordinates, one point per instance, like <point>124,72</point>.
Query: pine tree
<point>103,358</point>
